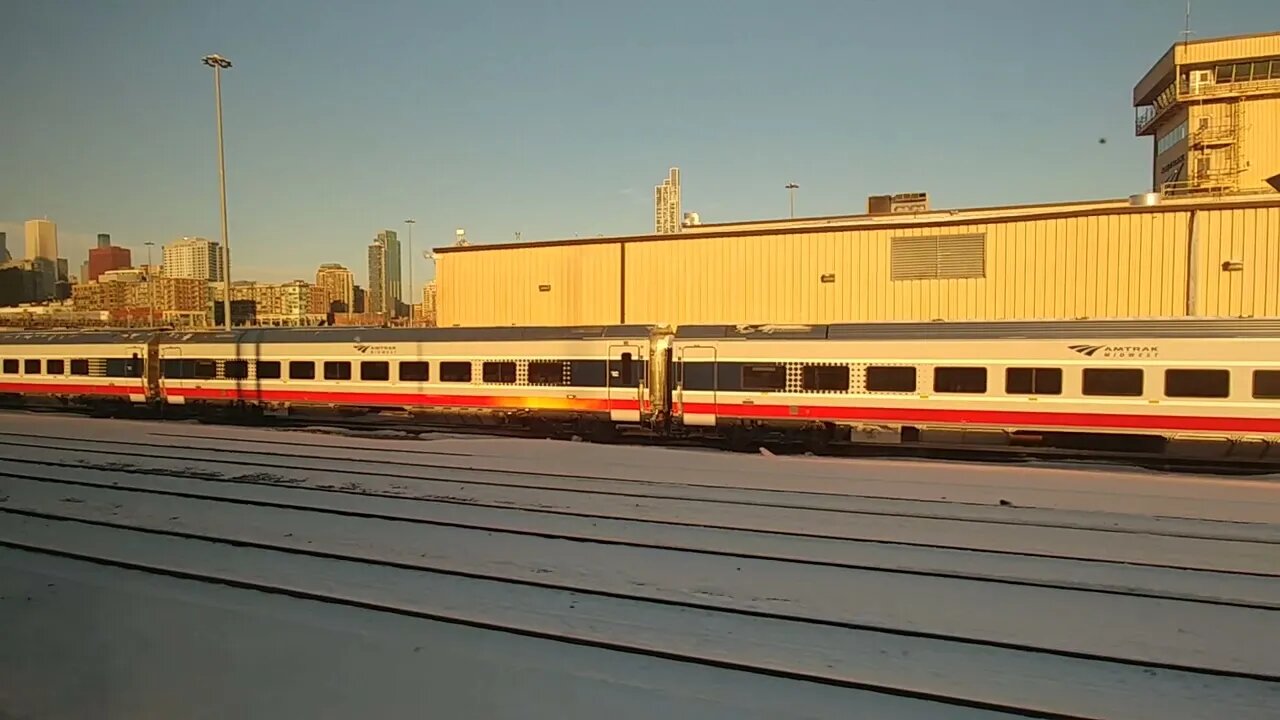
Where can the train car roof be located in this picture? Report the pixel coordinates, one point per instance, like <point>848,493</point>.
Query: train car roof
<point>75,337</point>
<point>250,336</point>
<point>997,330</point>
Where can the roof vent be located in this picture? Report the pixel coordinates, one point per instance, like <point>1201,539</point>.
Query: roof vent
<point>915,202</point>
<point>1145,199</point>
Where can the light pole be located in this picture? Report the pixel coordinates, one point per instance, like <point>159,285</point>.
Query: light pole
<point>409,237</point>
<point>219,63</point>
<point>151,286</point>
<point>791,189</point>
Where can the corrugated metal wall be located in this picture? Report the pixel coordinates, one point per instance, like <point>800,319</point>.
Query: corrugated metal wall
<point>1228,48</point>
<point>506,287</point>
<point>1120,264</point>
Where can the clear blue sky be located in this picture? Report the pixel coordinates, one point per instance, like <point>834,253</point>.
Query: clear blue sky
<point>557,118</point>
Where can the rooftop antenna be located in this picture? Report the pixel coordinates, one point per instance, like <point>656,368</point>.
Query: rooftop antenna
<point>1186,30</point>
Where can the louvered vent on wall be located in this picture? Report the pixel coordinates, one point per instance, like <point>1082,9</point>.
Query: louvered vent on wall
<point>931,258</point>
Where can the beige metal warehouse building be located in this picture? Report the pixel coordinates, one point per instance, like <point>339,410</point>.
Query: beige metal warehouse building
<point>1207,243</point>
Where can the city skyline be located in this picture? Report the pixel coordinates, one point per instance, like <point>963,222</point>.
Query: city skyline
<point>452,147</point>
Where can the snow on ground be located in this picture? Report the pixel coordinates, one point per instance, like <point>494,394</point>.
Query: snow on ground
<point>1095,591</point>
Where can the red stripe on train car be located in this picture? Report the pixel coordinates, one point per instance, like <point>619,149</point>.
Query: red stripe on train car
<point>1001,418</point>
<point>63,388</point>
<point>404,399</point>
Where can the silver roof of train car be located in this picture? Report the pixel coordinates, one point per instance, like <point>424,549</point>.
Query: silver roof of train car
<point>76,337</point>
<point>998,330</point>
<point>409,335</point>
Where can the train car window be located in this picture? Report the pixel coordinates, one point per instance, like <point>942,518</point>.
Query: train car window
<point>455,371</point>
<point>121,367</point>
<point>337,370</point>
<point>546,372</point>
<point>415,371</point>
<point>79,367</point>
<point>1266,384</point>
<point>174,369</point>
<point>55,367</point>
<point>1197,383</point>
<point>204,369</point>
<point>960,380</point>
<point>825,377</point>
<point>764,377</point>
<point>1033,381</point>
<point>10,366</point>
<point>31,367</point>
<point>375,370</point>
<point>236,369</point>
<point>628,370</point>
<point>500,372</point>
<point>302,370</point>
<point>891,378</point>
<point>1112,382</point>
<point>268,369</point>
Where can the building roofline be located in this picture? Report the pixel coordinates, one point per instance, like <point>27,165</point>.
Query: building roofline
<point>1225,38</point>
<point>860,216</point>
<point>942,222</point>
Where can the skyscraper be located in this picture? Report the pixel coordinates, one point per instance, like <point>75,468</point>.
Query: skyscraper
<point>666,204</point>
<point>385,292</point>
<point>4,249</point>
<point>430,297</point>
<point>106,257</point>
<point>193,257</point>
<point>335,288</point>
<point>42,239</point>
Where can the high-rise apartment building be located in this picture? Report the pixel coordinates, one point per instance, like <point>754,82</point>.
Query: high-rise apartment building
<point>385,291</point>
<point>666,204</point>
<point>429,299</point>
<point>334,290</point>
<point>193,257</point>
<point>42,239</point>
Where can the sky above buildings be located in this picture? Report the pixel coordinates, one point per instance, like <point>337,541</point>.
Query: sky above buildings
<point>556,119</point>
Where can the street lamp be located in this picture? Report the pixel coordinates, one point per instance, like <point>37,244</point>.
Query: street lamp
<point>409,237</point>
<point>151,286</point>
<point>219,63</point>
<point>791,189</point>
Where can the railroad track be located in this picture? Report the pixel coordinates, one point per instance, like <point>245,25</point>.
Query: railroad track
<point>544,481</point>
<point>646,569</point>
<point>578,537</point>
<point>101,553</point>
<point>395,427</point>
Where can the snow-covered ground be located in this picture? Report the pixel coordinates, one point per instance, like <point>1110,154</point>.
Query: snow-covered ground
<point>176,569</point>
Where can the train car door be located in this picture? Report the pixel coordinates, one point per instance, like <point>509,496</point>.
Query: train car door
<point>171,383</point>
<point>624,383</point>
<point>137,368</point>
<point>697,387</point>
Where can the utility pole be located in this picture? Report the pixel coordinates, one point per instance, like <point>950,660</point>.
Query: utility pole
<point>219,63</point>
<point>409,237</point>
<point>151,286</point>
<point>791,190</point>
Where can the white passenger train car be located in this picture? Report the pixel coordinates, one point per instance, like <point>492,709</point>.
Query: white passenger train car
<point>1173,380</point>
<point>599,372</point>
<point>75,367</point>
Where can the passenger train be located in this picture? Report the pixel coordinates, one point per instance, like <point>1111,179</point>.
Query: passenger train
<point>1170,386</point>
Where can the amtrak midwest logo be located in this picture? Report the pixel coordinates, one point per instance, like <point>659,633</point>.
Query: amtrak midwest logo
<point>1117,351</point>
<point>375,349</point>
